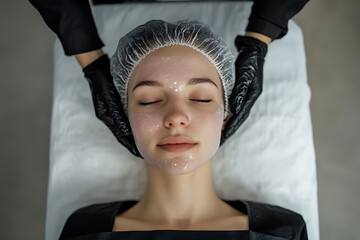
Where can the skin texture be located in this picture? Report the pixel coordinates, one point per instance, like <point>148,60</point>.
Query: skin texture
<point>179,192</point>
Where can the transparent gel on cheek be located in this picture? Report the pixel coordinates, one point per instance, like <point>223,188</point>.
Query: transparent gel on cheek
<point>143,126</point>
<point>220,111</point>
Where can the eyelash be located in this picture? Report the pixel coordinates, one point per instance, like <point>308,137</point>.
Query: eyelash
<point>149,103</point>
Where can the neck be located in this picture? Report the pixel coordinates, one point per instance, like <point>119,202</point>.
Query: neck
<point>180,200</point>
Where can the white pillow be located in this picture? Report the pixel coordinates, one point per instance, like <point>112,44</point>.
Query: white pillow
<point>269,159</point>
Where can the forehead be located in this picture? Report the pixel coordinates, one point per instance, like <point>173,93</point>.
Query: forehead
<point>174,64</point>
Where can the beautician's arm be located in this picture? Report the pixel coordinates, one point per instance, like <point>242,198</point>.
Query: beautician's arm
<point>268,21</point>
<point>86,58</point>
<point>259,36</point>
<point>72,22</point>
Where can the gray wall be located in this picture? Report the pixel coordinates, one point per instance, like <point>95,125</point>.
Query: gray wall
<point>332,37</point>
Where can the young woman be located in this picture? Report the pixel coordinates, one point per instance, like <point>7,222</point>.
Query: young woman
<point>175,82</point>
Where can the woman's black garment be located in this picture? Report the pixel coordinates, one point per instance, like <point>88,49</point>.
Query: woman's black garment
<point>266,222</point>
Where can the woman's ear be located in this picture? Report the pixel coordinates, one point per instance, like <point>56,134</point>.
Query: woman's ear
<point>226,120</point>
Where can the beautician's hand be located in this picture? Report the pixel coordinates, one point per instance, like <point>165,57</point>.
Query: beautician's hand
<point>106,100</point>
<point>248,82</point>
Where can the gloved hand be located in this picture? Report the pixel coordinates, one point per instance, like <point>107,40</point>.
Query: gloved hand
<point>271,17</point>
<point>248,82</point>
<point>106,100</point>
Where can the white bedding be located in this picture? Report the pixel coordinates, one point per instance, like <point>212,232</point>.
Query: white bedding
<point>269,159</point>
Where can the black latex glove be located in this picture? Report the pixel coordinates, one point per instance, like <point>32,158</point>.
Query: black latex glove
<point>271,17</point>
<point>106,100</point>
<point>248,82</point>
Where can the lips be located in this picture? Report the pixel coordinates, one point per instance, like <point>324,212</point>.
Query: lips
<point>177,140</point>
<point>177,147</point>
<point>177,144</point>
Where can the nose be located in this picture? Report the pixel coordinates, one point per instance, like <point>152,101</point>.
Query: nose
<point>176,117</point>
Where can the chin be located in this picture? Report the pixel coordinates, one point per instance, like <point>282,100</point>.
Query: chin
<point>178,165</point>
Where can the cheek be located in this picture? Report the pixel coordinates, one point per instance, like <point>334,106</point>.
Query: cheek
<point>143,125</point>
<point>210,120</point>
<point>216,115</point>
<point>210,139</point>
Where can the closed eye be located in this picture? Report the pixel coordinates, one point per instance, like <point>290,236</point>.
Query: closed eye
<point>148,103</point>
<point>202,100</point>
<point>144,104</point>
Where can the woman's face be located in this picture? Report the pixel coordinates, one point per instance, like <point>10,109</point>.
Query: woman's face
<point>176,108</point>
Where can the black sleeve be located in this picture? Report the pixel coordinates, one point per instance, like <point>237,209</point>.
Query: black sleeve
<point>73,23</point>
<point>271,17</point>
<point>90,220</point>
<point>277,221</point>
<point>303,232</point>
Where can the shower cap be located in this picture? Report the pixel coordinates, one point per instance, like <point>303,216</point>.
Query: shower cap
<point>155,34</point>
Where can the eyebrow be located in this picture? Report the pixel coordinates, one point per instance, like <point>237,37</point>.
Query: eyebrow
<point>192,81</point>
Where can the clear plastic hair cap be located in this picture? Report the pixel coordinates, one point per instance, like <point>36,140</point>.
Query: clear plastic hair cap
<point>155,34</point>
